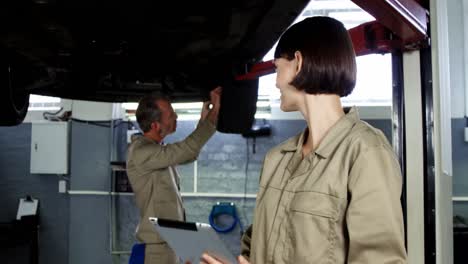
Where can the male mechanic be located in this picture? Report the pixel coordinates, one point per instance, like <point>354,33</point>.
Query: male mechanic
<point>151,166</point>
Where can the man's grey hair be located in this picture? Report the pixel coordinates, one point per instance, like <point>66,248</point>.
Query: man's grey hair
<point>148,111</point>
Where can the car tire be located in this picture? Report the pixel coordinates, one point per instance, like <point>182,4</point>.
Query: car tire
<point>238,107</point>
<point>14,101</point>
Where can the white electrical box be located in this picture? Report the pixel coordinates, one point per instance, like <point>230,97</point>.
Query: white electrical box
<point>466,134</point>
<point>62,186</point>
<point>49,147</point>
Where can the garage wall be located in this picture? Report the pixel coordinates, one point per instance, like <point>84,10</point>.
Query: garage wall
<point>457,84</point>
<point>460,165</point>
<point>17,182</point>
<point>89,214</point>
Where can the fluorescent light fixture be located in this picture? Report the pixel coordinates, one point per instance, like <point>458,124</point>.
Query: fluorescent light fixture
<point>129,106</point>
<point>33,98</point>
<point>196,105</point>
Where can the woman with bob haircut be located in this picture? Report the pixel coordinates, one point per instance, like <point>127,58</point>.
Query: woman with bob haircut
<point>332,193</point>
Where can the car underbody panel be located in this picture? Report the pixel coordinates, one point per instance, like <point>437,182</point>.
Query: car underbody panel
<point>119,50</point>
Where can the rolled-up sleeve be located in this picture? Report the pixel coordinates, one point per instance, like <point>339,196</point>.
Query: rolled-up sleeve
<point>245,242</point>
<point>374,217</point>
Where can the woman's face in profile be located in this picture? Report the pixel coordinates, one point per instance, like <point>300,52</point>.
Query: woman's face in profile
<point>286,70</point>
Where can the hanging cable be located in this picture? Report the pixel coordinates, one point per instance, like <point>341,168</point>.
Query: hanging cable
<point>244,200</point>
<point>103,123</point>
<point>52,116</point>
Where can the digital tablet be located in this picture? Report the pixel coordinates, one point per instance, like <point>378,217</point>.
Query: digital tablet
<point>190,240</point>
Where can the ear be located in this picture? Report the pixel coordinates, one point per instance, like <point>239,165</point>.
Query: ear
<point>299,59</point>
<point>156,127</point>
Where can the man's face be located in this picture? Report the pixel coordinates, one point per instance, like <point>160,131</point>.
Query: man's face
<point>168,122</point>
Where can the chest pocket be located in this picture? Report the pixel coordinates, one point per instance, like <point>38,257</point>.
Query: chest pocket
<point>313,203</point>
<point>311,228</point>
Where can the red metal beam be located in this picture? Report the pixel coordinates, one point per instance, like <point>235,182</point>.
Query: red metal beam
<point>257,70</point>
<point>406,18</point>
<point>373,37</point>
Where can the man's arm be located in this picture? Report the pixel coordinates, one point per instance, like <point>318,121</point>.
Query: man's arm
<point>211,114</point>
<point>374,217</point>
<point>245,243</point>
<point>154,156</point>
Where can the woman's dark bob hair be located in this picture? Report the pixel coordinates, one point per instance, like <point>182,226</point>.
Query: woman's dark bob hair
<point>329,61</point>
